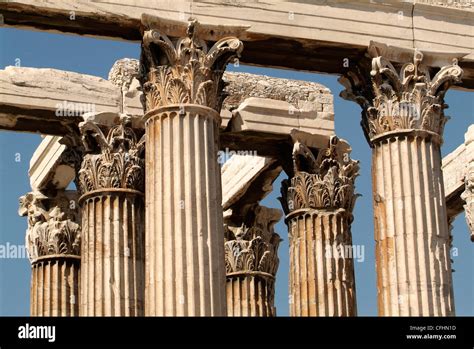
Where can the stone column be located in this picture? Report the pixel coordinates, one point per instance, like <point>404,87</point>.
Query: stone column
<point>318,201</point>
<point>403,119</point>
<point>251,261</point>
<point>53,244</point>
<point>185,271</point>
<point>468,194</point>
<point>111,181</point>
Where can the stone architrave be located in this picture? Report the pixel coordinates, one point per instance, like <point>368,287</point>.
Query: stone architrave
<point>53,241</point>
<point>318,201</point>
<point>182,84</point>
<point>251,261</point>
<point>111,183</point>
<point>468,194</point>
<point>458,167</point>
<point>403,119</point>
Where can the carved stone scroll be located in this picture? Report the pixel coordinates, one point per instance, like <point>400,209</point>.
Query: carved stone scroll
<point>182,83</point>
<point>318,202</point>
<point>403,119</point>
<point>111,183</point>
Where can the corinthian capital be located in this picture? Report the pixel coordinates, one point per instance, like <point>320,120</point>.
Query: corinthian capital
<point>397,98</point>
<point>114,158</point>
<point>253,246</point>
<point>184,70</point>
<point>321,180</point>
<point>52,224</point>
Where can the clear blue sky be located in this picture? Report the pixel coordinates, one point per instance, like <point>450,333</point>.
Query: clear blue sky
<point>96,57</point>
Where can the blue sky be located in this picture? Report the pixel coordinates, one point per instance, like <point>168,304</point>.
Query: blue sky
<point>96,57</point>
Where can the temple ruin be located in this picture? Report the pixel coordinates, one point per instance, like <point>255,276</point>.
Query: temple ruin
<point>157,227</point>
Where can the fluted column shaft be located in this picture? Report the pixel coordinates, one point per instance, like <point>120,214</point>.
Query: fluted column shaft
<point>112,253</point>
<point>53,243</point>
<point>184,235</point>
<point>182,85</point>
<point>55,286</point>
<point>411,228</point>
<point>111,180</point>
<point>403,120</point>
<point>250,295</point>
<point>319,200</point>
<point>251,259</point>
<point>321,264</point>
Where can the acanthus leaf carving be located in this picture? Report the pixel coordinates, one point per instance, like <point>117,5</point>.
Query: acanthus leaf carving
<point>323,182</point>
<point>184,70</point>
<point>114,161</point>
<point>400,100</point>
<point>52,224</point>
<point>253,246</point>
